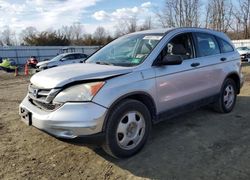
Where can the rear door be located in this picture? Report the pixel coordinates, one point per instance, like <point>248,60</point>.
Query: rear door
<point>209,53</point>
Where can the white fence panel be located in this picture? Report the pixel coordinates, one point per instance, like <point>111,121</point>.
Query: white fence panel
<point>242,42</point>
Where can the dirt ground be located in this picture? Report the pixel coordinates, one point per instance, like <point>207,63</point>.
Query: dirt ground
<point>198,145</point>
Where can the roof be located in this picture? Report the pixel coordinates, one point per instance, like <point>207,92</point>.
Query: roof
<point>72,53</point>
<point>179,29</point>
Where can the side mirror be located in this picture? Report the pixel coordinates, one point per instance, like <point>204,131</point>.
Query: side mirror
<point>171,60</point>
<point>63,59</point>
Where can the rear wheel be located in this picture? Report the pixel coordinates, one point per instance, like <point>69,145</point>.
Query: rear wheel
<point>227,99</point>
<point>127,129</point>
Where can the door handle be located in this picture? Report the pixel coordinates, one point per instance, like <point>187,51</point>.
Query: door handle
<point>195,64</point>
<point>223,59</point>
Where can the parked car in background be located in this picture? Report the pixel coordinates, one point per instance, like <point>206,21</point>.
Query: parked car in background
<point>133,82</point>
<point>62,59</point>
<point>244,53</point>
<point>32,62</point>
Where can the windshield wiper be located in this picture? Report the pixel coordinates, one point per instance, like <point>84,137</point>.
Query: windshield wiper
<point>103,63</point>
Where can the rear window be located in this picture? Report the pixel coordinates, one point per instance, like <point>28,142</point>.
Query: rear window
<point>207,44</point>
<point>225,46</point>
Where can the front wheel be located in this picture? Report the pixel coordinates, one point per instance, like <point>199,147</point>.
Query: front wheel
<point>127,129</point>
<point>227,99</point>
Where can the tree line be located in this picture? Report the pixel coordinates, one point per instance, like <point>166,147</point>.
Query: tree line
<point>229,16</point>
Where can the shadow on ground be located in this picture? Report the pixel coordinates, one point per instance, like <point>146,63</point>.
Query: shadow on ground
<point>198,145</point>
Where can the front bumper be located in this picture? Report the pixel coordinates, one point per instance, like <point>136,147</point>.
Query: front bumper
<point>69,121</point>
<point>245,57</point>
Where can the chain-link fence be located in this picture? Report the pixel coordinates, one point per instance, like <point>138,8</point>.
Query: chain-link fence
<point>20,54</point>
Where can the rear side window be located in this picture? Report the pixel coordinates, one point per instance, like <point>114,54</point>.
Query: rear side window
<point>77,56</point>
<point>225,46</point>
<point>80,56</point>
<point>69,57</point>
<point>83,56</point>
<point>207,44</point>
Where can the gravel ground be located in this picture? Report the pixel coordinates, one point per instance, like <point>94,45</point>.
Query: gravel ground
<point>198,145</point>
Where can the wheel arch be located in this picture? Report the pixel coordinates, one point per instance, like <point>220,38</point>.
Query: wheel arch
<point>141,96</point>
<point>234,76</point>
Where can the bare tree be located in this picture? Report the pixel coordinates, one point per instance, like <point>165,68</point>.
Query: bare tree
<point>77,30</point>
<point>100,33</point>
<point>219,14</point>
<point>27,32</point>
<point>243,16</point>
<point>131,24</point>
<point>120,29</point>
<point>126,25</point>
<point>74,32</point>
<point>67,31</point>
<point>179,13</point>
<point>147,24</point>
<point>8,36</point>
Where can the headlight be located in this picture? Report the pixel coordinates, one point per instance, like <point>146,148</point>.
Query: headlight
<point>81,92</point>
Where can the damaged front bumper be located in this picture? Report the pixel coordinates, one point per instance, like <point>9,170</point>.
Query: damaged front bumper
<point>69,121</point>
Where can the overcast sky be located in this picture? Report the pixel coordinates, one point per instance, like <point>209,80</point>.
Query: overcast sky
<point>46,14</point>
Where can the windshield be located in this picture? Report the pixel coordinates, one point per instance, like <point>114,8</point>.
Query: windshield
<point>57,58</point>
<point>126,51</point>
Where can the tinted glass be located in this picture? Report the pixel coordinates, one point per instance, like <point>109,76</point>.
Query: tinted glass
<point>83,56</point>
<point>69,57</point>
<point>79,56</point>
<point>225,46</point>
<point>207,44</point>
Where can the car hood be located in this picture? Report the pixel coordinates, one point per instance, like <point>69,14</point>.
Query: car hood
<point>42,63</point>
<point>60,76</point>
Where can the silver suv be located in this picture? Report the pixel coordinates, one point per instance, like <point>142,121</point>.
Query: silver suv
<point>132,83</point>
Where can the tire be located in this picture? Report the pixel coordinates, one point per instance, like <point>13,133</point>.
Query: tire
<point>227,98</point>
<point>127,129</point>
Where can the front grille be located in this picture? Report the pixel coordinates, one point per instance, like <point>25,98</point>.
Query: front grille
<point>43,98</point>
<point>244,56</point>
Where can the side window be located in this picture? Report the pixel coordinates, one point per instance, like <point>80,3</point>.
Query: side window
<point>78,56</point>
<point>69,57</point>
<point>180,45</point>
<point>207,44</point>
<point>225,46</point>
<point>83,56</point>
